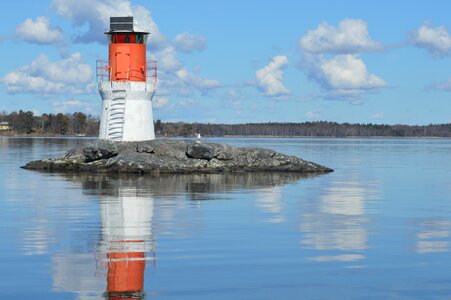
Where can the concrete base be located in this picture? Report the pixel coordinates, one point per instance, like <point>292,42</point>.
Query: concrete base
<point>126,111</point>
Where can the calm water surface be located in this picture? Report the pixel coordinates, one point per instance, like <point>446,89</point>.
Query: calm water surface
<point>379,227</point>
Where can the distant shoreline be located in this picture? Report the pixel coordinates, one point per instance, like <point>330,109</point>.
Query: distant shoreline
<point>334,137</point>
<point>239,136</point>
<point>80,124</point>
<point>9,134</point>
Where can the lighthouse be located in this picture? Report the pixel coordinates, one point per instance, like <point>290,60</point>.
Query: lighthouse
<point>127,84</point>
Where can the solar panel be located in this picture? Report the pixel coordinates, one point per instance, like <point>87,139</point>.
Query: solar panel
<point>121,23</point>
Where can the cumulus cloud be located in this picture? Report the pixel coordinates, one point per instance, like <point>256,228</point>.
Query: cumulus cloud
<point>187,42</point>
<point>436,41</point>
<point>378,116</point>
<point>71,106</point>
<point>199,83</point>
<point>167,59</point>
<point>42,76</point>
<point>343,76</point>
<point>348,72</point>
<point>39,31</point>
<point>351,36</point>
<point>159,102</point>
<point>269,79</point>
<point>175,79</point>
<point>94,17</point>
<point>444,86</point>
<point>312,115</point>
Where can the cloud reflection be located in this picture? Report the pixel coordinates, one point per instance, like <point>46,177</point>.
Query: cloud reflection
<point>337,222</point>
<point>433,237</point>
<point>341,257</point>
<point>77,273</point>
<point>270,200</point>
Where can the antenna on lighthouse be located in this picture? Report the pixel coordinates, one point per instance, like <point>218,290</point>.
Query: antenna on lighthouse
<point>127,84</point>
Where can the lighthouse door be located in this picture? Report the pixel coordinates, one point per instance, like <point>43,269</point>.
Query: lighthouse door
<point>122,63</point>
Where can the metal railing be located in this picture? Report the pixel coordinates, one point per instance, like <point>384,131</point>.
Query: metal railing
<point>151,71</point>
<point>102,70</point>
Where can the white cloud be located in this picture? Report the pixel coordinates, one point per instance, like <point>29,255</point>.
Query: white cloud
<point>175,78</point>
<point>187,42</point>
<point>378,116</point>
<point>202,84</point>
<point>72,103</point>
<point>94,17</point>
<point>351,36</point>
<point>435,40</point>
<point>444,86</point>
<point>182,82</point>
<point>269,79</point>
<point>159,102</point>
<point>167,59</point>
<point>39,31</point>
<point>71,106</point>
<point>349,72</point>
<point>344,76</point>
<point>42,76</point>
<point>312,115</point>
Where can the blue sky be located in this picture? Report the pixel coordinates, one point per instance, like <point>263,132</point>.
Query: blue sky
<point>240,61</point>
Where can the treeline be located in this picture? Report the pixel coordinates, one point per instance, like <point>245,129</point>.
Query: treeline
<point>78,123</point>
<point>306,129</point>
<point>25,122</point>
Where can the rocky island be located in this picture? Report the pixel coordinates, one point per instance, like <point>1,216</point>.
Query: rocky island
<point>165,156</point>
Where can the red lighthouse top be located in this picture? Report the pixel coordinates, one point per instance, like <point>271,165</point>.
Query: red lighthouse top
<point>127,50</point>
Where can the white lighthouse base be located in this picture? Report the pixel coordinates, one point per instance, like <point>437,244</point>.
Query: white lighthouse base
<point>126,111</point>
<point>126,222</point>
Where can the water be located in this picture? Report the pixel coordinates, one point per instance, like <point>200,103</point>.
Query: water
<point>379,227</point>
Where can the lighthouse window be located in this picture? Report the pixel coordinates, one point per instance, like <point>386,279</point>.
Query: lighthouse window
<point>127,38</point>
<point>139,39</point>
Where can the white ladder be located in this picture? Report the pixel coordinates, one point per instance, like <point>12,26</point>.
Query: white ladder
<point>116,115</point>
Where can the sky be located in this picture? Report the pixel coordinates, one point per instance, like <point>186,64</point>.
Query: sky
<point>229,61</point>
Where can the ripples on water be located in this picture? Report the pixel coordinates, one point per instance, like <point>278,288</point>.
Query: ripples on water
<point>378,227</point>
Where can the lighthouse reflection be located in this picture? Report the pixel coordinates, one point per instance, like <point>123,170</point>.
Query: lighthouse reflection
<point>126,240</point>
<point>134,210</point>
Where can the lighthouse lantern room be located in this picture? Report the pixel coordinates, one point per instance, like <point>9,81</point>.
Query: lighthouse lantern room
<point>127,84</point>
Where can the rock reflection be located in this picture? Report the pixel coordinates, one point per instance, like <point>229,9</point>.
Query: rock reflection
<point>196,186</point>
<point>337,223</point>
<point>127,207</point>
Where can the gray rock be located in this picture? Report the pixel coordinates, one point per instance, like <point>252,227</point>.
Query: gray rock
<point>200,151</point>
<point>173,156</point>
<point>145,148</point>
<point>96,151</point>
